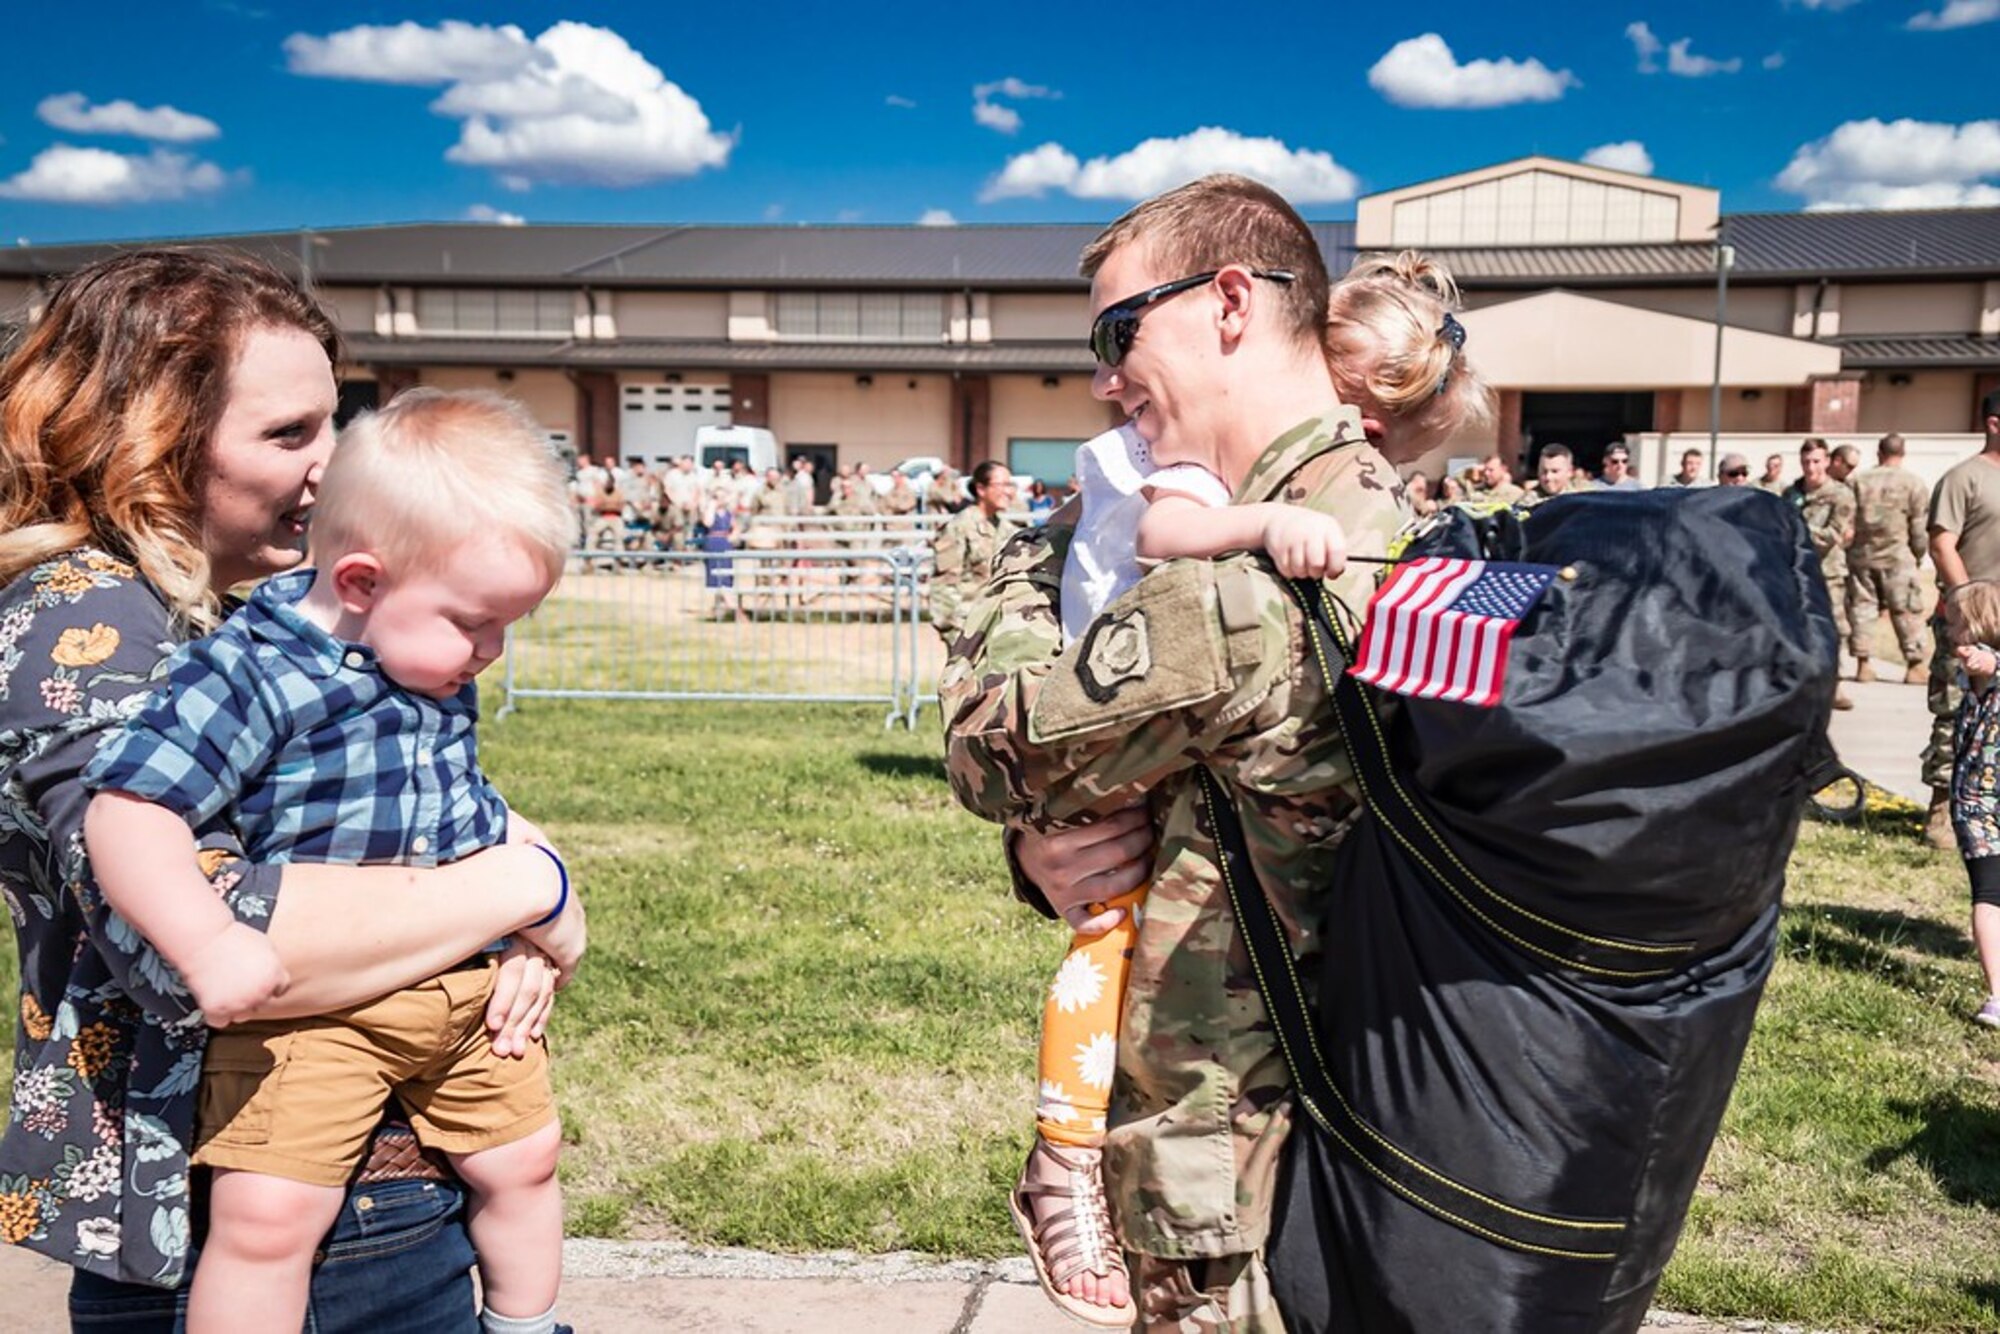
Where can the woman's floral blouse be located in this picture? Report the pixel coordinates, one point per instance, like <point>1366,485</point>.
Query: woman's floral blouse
<point>93,1163</point>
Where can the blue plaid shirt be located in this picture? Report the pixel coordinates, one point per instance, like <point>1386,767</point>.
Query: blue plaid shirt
<point>299,739</point>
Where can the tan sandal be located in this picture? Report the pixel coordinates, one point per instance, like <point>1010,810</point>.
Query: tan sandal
<point>1072,1241</point>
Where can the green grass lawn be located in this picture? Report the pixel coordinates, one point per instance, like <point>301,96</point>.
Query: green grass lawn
<point>808,1021</point>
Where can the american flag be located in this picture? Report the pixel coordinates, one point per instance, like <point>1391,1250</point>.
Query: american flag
<point>1439,628</point>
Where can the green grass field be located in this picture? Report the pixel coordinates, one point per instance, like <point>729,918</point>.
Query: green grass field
<point>807,1021</point>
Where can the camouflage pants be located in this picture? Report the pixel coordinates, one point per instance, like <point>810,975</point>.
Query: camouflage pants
<point>1230,1294</point>
<point>1896,590</point>
<point>1836,593</point>
<point>1942,695</point>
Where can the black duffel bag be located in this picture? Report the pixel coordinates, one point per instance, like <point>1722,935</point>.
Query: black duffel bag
<point>1547,936</point>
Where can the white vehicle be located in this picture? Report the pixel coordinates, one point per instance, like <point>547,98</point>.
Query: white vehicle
<point>752,445</point>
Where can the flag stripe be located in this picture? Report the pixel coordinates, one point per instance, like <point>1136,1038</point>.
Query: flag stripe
<point>1441,626</point>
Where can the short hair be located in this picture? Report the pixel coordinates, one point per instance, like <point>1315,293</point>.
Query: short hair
<point>1978,603</point>
<point>1890,446</point>
<point>109,402</point>
<point>1812,444</point>
<point>1553,451</point>
<point>435,469</point>
<point>1221,220</point>
<point>1687,454</point>
<point>1848,454</point>
<point>983,474</point>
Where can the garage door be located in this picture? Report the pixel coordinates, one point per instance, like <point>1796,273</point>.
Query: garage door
<point>657,421</point>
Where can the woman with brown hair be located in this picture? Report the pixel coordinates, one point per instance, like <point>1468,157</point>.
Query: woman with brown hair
<point>162,431</point>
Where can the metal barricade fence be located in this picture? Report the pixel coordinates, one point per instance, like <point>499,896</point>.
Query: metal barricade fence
<point>821,625</point>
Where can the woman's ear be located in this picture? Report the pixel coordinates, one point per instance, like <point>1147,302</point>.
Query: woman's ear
<point>357,582</point>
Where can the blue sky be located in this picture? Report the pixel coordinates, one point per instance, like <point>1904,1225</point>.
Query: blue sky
<point>204,116</point>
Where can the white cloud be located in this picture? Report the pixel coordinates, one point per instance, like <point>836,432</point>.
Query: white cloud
<point>1830,5</point>
<point>1776,60</point>
<point>577,105</point>
<point>1682,61</point>
<point>1422,72</point>
<point>67,174</point>
<point>488,213</point>
<point>1956,14</point>
<point>413,54</point>
<point>1626,155</point>
<point>1304,176</point>
<point>937,217</point>
<point>73,112</point>
<point>898,100</point>
<point>996,117</point>
<point>1005,119</point>
<point>1647,46</point>
<point>1898,164</point>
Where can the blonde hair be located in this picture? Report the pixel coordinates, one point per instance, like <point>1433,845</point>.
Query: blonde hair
<point>1391,344</point>
<point>1978,604</point>
<point>108,403</point>
<point>1221,220</point>
<point>434,470</point>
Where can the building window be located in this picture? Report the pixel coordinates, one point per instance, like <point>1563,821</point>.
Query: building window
<point>502,313</point>
<point>861,317</point>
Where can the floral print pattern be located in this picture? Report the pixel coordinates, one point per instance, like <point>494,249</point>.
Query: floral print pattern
<point>108,1045</point>
<point>1975,772</point>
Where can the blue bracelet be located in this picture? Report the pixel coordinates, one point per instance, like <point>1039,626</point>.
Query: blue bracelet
<point>562,899</point>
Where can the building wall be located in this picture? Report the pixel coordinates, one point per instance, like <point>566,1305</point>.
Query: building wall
<point>1033,316</point>
<point>1024,410</point>
<point>1765,309</point>
<point>353,307</point>
<point>668,314</point>
<point>1904,308</point>
<point>548,395</point>
<point>1933,401</point>
<point>1766,412</point>
<point>879,425</point>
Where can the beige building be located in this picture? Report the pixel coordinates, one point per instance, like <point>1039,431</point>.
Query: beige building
<point>1592,297</point>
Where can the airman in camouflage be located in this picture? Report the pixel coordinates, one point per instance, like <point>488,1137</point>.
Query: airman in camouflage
<point>962,551</point>
<point>1201,664</point>
<point>1827,506</point>
<point>853,499</point>
<point>1492,484</point>
<point>1889,539</point>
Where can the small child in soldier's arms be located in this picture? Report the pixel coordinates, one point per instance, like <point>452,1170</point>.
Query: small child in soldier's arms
<point>1395,350</point>
<point>1972,619</point>
<point>331,720</point>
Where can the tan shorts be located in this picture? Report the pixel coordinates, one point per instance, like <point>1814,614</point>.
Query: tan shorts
<point>298,1098</point>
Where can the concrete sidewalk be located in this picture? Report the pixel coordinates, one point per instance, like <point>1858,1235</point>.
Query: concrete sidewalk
<point>1882,735</point>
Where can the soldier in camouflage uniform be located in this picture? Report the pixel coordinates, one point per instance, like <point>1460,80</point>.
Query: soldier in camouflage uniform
<point>1202,663</point>
<point>1891,505</point>
<point>1828,509</point>
<point>853,498</point>
<point>962,551</point>
<point>1964,527</point>
<point>1492,484</point>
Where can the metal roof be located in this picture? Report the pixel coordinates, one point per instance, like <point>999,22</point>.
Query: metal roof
<point>1772,246</point>
<point>1067,357</point>
<point>1919,351</point>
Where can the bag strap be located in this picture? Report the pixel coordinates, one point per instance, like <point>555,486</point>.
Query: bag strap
<point>1407,816</point>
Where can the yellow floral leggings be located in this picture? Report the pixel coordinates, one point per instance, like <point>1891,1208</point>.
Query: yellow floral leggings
<point>1080,1031</point>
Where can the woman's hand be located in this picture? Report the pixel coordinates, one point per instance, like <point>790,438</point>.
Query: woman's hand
<point>524,991</point>
<point>562,941</point>
<point>1084,866</point>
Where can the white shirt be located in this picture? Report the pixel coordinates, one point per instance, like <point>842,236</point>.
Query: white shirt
<point>1112,474</point>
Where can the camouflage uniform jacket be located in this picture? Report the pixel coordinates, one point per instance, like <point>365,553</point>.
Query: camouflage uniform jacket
<point>1506,493</point>
<point>961,557</point>
<point>1889,532</point>
<point>1829,516</point>
<point>1201,663</point>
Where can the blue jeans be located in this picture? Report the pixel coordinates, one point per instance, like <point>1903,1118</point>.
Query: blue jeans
<point>396,1262</point>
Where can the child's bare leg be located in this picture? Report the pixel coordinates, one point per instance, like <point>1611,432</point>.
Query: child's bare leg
<point>262,1233</point>
<point>516,1221</point>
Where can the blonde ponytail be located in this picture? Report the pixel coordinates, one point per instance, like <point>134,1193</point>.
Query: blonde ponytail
<point>1397,350</point>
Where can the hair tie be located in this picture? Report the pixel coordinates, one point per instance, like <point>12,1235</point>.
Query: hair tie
<point>1451,331</point>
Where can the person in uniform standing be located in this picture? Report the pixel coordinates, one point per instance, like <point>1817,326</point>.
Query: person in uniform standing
<point>1690,473</point>
<point>1964,527</point>
<point>1211,310</point>
<point>1773,479</point>
<point>1892,508</point>
<point>1493,485</point>
<point>1827,506</point>
<point>1556,475</point>
<point>962,551</point>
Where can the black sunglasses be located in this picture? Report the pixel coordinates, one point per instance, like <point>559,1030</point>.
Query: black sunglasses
<point>1117,325</point>
<point>1735,472</point>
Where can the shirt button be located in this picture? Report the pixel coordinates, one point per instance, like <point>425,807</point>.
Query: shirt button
<point>420,844</point>
<point>354,660</point>
<point>424,756</point>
